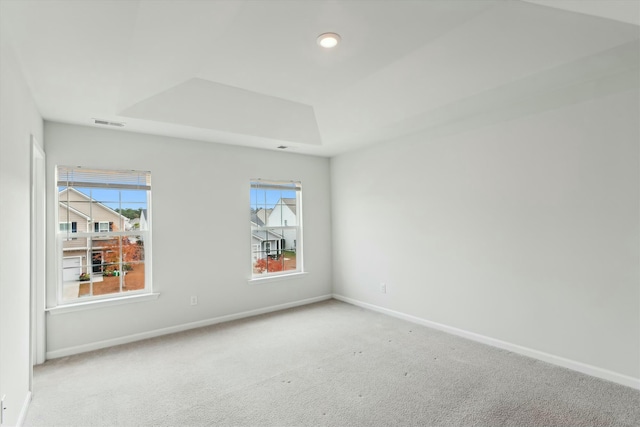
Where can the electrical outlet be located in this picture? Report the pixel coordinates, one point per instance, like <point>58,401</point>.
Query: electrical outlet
<point>2,408</point>
<point>383,288</point>
<point>194,300</point>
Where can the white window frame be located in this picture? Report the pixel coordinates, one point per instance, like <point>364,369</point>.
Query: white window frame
<point>94,181</point>
<point>298,246</point>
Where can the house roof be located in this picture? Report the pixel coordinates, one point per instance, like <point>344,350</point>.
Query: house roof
<point>260,216</point>
<point>276,236</point>
<point>255,219</point>
<point>75,211</point>
<point>80,193</point>
<point>291,204</point>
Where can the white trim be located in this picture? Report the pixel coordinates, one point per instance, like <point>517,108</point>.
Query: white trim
<point>179,328</point>
<point>584,368</point>
<point>25,407</point>
<point>38,257</point>
<point>277,277</point>
<point>100,303</point>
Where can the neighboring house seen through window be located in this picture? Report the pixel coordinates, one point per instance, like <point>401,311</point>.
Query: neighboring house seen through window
<point>276,226</point>
<point>108,213</point>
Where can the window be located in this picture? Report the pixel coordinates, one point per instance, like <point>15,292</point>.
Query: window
<point>67,228</point>
<point>102,226</point>
<point>108,256</point>
<point>276,227</point>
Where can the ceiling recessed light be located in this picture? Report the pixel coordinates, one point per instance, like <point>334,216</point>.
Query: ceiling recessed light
<point>328,40</point>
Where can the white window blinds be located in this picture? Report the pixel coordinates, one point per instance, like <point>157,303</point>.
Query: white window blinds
<point>276,185</point>
<point>74,176</point>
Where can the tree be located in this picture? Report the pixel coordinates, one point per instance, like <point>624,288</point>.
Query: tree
<point>131,252</point>
<point>129,213</point>
<point>270,266</point>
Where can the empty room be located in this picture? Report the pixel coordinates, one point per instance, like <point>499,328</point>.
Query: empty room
<point>319,212</point>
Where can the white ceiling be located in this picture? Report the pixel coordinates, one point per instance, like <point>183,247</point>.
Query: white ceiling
<point>250,72</point>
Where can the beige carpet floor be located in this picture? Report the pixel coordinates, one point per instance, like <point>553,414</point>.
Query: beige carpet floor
<point>326,364</point>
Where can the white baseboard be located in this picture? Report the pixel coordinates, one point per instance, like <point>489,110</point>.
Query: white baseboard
<point>540,355</point>
<point>179,328</point>
<point>25,408</point>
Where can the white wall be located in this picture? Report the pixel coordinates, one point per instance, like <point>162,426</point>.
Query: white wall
<point>19,119</point>
<point>201,234</point>
<point>525,231</point>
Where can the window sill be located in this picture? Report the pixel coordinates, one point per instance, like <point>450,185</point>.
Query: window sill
<point>90,305</point>
<point>270,279</point>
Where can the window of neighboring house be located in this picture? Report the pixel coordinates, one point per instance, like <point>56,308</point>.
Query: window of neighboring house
<point>68,228</point>
<point>110,258</point>
<point>276,226</point>
<point>102,226</point>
